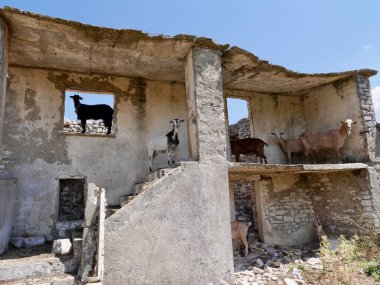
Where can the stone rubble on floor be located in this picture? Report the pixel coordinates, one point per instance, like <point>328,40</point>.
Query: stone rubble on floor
<point>270,265</point>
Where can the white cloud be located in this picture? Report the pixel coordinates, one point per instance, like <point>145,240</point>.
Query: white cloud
<point>368,46</point>
<point>376,101</point>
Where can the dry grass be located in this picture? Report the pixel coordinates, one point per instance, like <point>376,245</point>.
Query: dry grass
<point>355,262</point>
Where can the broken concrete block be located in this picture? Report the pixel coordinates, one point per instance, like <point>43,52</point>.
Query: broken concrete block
<point>17,241</point>
<point>34,241</point>
<point>61,246</point>
<point>77,249</point>
<point>91,209</point>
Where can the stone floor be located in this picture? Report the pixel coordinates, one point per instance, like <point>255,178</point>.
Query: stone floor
<point>269,265</point>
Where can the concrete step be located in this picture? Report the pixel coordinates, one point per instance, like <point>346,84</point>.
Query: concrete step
<point>123,200</point>
<point>141,187</point>
<point>159,173</point>
<point>57,279</point>
<point>110,210</point>
<point>43,265</point>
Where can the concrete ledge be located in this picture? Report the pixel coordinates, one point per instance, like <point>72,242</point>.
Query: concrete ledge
<point>252,168</point>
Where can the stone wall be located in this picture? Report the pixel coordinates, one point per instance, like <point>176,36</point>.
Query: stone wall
<point>242,128</point>
<point>243,200</point>
<point>342,202</point>
<point>368,113</point>
<point>377,141</point>
<point>93,127</point>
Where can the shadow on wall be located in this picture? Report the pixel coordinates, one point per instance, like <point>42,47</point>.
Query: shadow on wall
<point>378,140</point>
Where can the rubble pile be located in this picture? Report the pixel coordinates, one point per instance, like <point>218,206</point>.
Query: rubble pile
<point>270,265</point>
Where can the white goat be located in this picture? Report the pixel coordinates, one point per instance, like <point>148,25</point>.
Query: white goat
<point>333,138</point>
<point>164,143</point>
<point>290,145</point>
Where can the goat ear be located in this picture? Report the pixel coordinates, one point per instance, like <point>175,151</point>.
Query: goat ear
<point>354,122</point>
<point>342,122</point>
<point>171,122</point>
<point>80,98</point>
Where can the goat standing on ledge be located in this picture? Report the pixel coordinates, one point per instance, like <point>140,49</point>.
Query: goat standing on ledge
<point>248,146</point>
<point>95,112</point>
<point>334,138</point>
<point>289,145</point>
<point>167,143</point>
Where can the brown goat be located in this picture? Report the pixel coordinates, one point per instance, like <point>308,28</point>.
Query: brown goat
<point>248,146</point>
<point>333,138</point>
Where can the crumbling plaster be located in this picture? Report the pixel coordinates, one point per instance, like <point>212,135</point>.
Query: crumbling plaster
<point>41,153</point>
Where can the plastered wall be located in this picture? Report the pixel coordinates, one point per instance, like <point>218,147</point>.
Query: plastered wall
<point>326,107</point>
<point>40,153</point>
<point>272,113</point>
<point>319,110</point>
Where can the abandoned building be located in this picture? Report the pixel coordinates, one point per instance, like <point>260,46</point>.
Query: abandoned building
<point>172,225</point>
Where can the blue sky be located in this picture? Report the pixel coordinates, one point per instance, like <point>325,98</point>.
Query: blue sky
<point>301,35</point>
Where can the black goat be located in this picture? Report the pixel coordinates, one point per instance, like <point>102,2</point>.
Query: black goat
<point>95,112</point>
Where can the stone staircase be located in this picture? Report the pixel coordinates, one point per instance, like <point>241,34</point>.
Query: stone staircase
<point>138,188</point>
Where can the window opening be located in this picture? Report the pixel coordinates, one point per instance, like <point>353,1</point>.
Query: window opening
<point>97,117</point>
<point>239,122</point>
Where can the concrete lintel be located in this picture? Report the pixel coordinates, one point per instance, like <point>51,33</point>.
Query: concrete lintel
<point>243,177</point>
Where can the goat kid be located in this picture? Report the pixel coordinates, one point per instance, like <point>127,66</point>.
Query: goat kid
<point>248,146</point>
<point>290,145</point>
<point>239,233</point>
<point>331,139</point>
<point>167,143</point>
<point>95,112</point>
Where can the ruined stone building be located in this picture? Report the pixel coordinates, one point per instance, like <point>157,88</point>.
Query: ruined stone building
<point>177,230</point>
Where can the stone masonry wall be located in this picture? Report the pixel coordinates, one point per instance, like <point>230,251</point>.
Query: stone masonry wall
<point>242,129</point>
<point>93,127</point>
<point>368,113</point>
<point>243,200</point>
<point>342,202</point>
<point>288,211</point>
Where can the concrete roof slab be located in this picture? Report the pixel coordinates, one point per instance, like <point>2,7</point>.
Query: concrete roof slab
<point>43,42</point>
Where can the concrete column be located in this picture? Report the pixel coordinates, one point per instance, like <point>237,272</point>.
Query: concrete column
<point>3,73</point>
<point>368,113</point>
<point>261,190</point>
<point>206,118</point>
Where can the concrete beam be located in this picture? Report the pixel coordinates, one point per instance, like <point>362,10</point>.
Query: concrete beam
<point>3,71</point>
